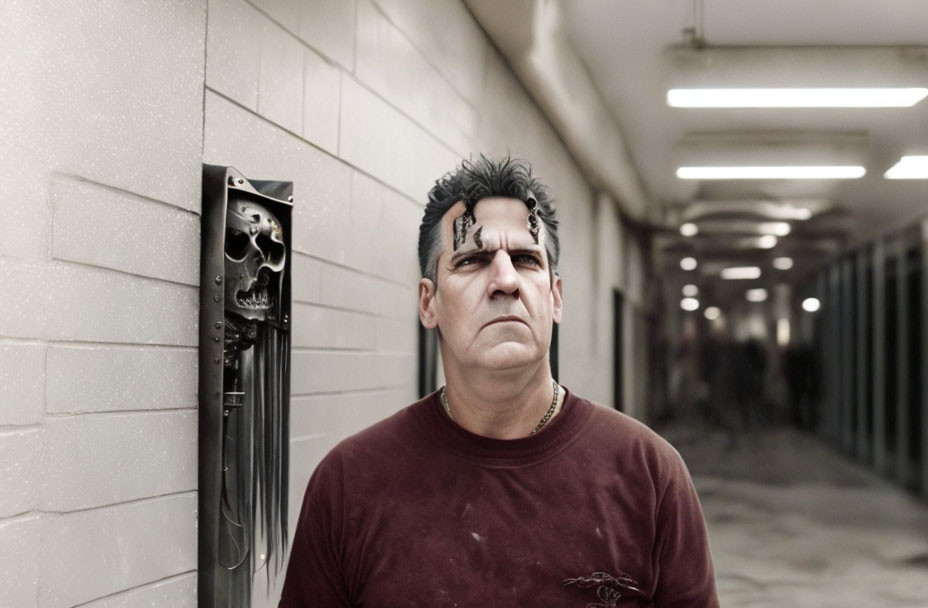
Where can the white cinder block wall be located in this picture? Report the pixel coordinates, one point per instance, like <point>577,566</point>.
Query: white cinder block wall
<point>109,108</point>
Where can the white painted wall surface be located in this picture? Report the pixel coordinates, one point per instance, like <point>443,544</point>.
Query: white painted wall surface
<point>109,110</point>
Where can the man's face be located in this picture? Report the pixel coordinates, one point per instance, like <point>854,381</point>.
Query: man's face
<point>495,300</point>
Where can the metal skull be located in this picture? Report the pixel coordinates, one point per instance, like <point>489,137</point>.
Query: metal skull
<point>255,255</point>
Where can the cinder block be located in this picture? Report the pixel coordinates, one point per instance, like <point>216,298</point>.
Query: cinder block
<point>329,27</point>
<point>175,592</point>
<point>388,63</point>
<point>22,382</point>
<point>280,82</point>
<point>62,301</point>
<point>321,184</point>
<point>98,552</point>
<point>24,204</point>
<point>285,12</point>
<point>115,93</point>
<point>398,336</point>
<point>20,455</point>
<point>91,378</point>
<point>306,278</point>
<point>342,414</point>
<point>102,227</point>
<point>321,100</point>
<point>19,561</point>
<point>233,50</point>
<point>457,49</point>
<point>101,459</point>
<point>397,258</point>
<point>331,371</point>
<point>382,142</point>
<point>316,327</point>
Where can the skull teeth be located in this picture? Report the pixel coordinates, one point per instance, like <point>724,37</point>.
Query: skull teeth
<point>255,299</point>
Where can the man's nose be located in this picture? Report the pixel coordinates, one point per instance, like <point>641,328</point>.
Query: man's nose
<point>503,276</point>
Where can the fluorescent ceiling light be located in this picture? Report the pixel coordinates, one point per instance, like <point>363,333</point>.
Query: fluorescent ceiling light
<point>811,304</point>
<point>756,295</point>
<point>796,98</point>
<point>783,263</point>
<point>689,229</point>
<point>690,291</point>
<point>774,210</point>
<point>712,313</point>
<point>741,272</point>
<point>775,228</point>
<point>688,264</point>
<point>689,304</point>
<point>909,167</point>
<point>781,172</point>
<point>768,241</point>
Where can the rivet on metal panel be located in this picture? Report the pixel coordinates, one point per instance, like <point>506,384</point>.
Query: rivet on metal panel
<point>217,360</point>
<point>290,199</point>
<point>218,325</point>
<point>215,338</point>
<point>217,298</point>
<point>218,279</point>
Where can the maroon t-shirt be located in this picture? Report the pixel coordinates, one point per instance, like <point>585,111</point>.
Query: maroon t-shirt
<point>595,509</point>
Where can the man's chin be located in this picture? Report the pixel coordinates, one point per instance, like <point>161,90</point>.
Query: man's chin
<point>510,355</point>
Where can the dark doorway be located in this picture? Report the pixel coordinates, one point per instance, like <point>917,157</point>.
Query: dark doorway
<point>618,306</point>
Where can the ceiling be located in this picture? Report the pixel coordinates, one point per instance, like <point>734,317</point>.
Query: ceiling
<point>621,43</point>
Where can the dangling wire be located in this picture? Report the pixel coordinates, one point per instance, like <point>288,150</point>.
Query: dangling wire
<point>694,35</point>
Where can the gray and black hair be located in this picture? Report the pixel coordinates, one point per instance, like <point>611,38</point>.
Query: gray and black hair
<point>473,181</point>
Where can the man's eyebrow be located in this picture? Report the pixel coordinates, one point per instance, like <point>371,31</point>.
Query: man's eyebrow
<point>532,250</point>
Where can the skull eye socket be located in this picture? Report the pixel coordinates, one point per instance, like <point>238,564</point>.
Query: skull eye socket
<point>273,250</point>
<point>237,243</point>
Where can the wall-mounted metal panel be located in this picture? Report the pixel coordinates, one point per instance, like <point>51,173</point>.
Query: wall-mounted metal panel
<point>244,387</point>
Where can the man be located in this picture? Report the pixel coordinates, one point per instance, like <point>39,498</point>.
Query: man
<point>503,488</point>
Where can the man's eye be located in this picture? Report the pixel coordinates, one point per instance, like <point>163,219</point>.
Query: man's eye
<point>526,259</point>
<point>467,262</point>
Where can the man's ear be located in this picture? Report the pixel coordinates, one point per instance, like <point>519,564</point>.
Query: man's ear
<point>556,293</point>
<point>427,295</point>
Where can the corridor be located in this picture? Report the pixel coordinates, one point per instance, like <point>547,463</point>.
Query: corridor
<point>792,523</point>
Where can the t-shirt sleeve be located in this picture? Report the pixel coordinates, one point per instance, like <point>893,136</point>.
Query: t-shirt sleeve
<point>314,574</point>
<point>686,577</point>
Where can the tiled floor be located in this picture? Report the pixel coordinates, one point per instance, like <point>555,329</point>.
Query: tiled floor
<point>792,523</point>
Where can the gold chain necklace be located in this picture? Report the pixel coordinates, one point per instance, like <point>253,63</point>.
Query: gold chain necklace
<point>541,423</point>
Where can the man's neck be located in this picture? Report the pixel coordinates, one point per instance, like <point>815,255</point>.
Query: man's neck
<point>501,405</point>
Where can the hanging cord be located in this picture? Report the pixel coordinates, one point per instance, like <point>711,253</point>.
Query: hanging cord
<point>694,35</point>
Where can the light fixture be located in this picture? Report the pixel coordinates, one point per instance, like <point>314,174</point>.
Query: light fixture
<point>909,167</point>
<point>689,304</point>
<point>690,291</point>
<point>796,98</point>
<point>775,228</point>
<point>783,332</point>
<point>773,172</point>
<point>768,241</point>
<point>712,313</point>
<point>741,272</point>
<point>756,295</point>
<point>795,77</point>
<point>788,209</point>
<point>688,263</point>
<point>811,304</point>
<point>770,155</point>
<point>783,263</point>
<point>689,229</point>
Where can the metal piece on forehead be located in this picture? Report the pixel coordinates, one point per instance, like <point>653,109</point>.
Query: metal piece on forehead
<point>477,239</point>
<point>532,203</point>
<point>462,226</point>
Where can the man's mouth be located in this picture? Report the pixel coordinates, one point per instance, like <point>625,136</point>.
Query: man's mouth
<point>505,319</point>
